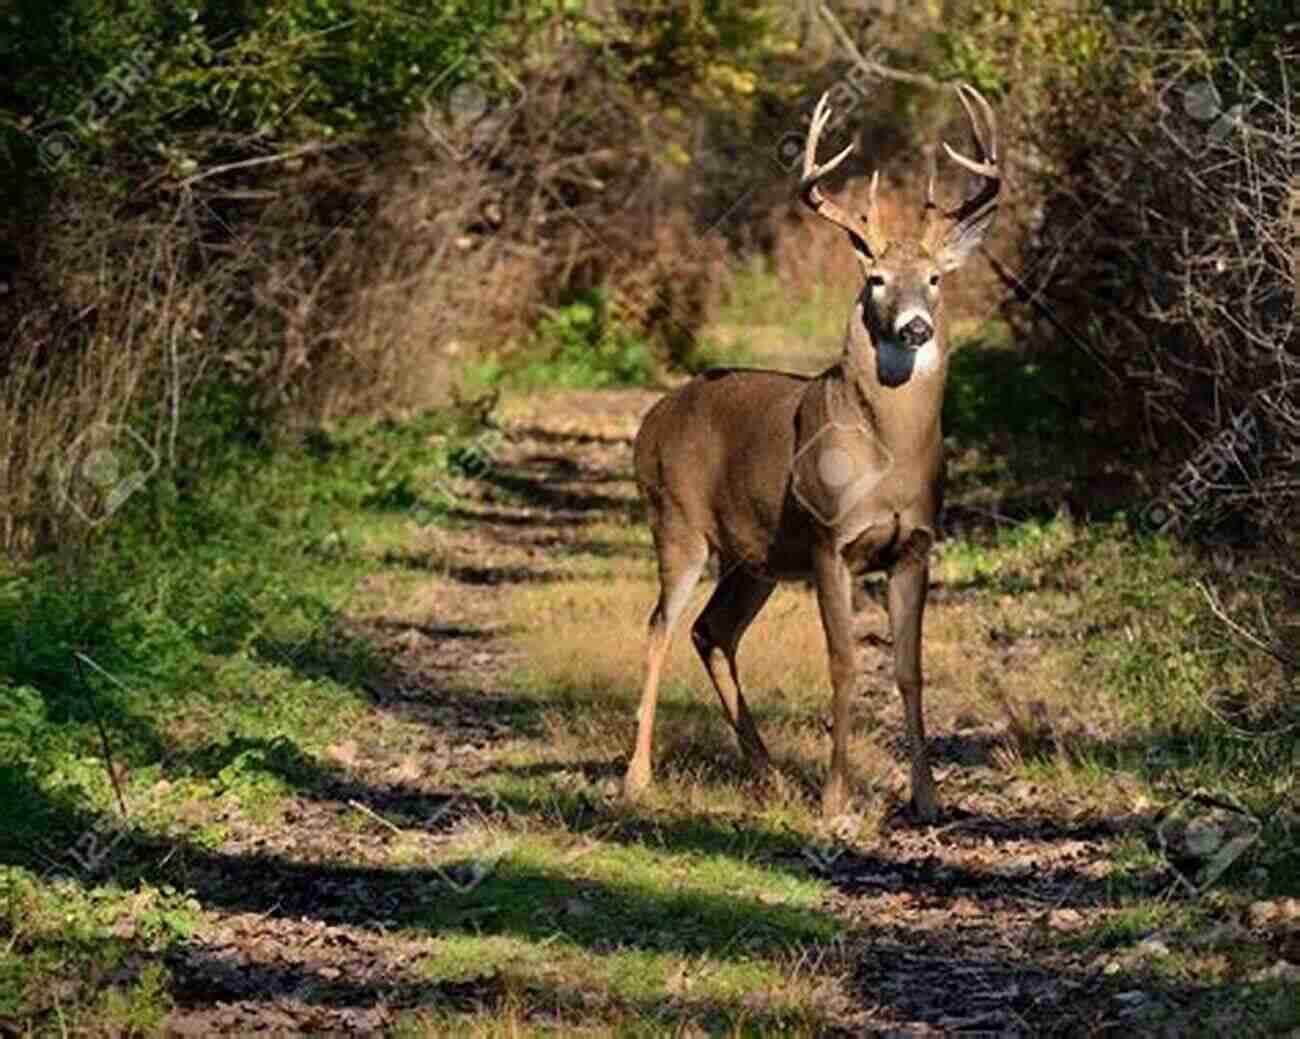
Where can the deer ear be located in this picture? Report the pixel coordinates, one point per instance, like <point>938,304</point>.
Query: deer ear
<point>964,238</point>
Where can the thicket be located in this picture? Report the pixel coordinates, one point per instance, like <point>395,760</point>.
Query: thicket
<point>1160,146</point>
<point>222,221</point>
<point>227,220</point>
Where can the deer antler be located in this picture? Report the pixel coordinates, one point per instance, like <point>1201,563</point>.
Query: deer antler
<point>973,217</point>
<point>860,229</point>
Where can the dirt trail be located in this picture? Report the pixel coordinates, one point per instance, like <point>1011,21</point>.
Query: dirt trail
<point>963,926</point>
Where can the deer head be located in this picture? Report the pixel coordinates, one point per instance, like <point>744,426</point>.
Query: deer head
<point>899,313</point>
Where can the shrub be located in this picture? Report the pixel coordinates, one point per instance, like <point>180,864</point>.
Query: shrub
<point>581,344</point>
<point>1166,251</point>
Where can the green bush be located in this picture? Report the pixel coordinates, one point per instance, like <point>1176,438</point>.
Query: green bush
<point>148,76</point>
<point>580,345</point>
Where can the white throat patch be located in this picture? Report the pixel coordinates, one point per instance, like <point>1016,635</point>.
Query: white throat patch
<point>927,357</point>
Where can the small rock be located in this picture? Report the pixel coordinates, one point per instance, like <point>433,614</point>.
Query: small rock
<point>1132,998</point>
<point>577,907</point>
<point>1280,971</point>
<point>1262,913</point>
<point>1064,919</point>
<point>1151,947</point>
<point>1221,936</point>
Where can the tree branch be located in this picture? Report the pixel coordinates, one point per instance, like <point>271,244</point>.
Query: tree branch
<point>874,68</point>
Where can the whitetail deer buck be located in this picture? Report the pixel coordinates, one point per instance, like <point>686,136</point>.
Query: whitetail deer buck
<point>787,477</point>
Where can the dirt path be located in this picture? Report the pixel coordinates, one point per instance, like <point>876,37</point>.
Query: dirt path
<point>307,948</point>
<point>965,926</point>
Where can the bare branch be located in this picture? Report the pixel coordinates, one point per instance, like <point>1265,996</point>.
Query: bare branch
<point>261,160</point>
<point>872,68</point>
<point>1241,631</point>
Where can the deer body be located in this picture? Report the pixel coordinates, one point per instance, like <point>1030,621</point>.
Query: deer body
<point>785,477</point>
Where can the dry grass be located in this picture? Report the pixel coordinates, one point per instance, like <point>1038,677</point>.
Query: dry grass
<point>584,643</point>
<point>360,290</point>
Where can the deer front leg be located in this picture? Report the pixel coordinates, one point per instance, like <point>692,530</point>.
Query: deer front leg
<point>909,580</point>
<point>835,601</point>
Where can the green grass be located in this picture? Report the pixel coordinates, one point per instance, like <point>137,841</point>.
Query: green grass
<point>238,691</point>
<point>760,325</point>
<point>582,345</point>
<point>217,658</point>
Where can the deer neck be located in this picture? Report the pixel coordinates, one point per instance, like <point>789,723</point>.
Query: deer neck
<point>900,391</point>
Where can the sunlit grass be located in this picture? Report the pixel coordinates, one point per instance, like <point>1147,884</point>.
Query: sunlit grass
<point>1063,658</point>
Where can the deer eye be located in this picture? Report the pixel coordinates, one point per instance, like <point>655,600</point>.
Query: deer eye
<point>934,281</point>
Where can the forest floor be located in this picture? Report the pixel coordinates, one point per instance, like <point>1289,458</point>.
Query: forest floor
<point>434,841</point>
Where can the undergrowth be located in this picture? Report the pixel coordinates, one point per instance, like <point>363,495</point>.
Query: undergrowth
<point>585,344</point>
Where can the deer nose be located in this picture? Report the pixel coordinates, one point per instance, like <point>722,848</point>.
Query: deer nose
<point>916,332</point>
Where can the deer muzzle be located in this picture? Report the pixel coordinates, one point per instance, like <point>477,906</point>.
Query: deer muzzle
<point>916,333</point>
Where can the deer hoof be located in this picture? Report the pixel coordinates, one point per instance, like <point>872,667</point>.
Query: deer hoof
<point>761,786</point>
<point>924,804</point>
<point>758,763</point>
<point>636,781</point>
<point>835,797</point>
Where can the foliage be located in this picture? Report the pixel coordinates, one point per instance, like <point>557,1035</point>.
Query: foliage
<point>1160,249</point>
<point>285,72</point>
<point>1004,43</point>
<point>580,345</point>
<point>154,610</point>
<point>214,207</point>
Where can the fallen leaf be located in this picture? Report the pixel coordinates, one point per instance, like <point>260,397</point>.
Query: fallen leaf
<point>408,771</point>
<point>344,753</point>
<point>1064,919</point>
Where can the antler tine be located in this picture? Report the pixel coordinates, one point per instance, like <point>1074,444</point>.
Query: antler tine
<point>810,191</point>
<point>821,116</point>
<point>987,150</point>
<point>986,166</point>
<point>931,174</point>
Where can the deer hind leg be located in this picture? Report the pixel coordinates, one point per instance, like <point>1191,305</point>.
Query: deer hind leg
<point>681,563</point>
<point>716,634</point>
